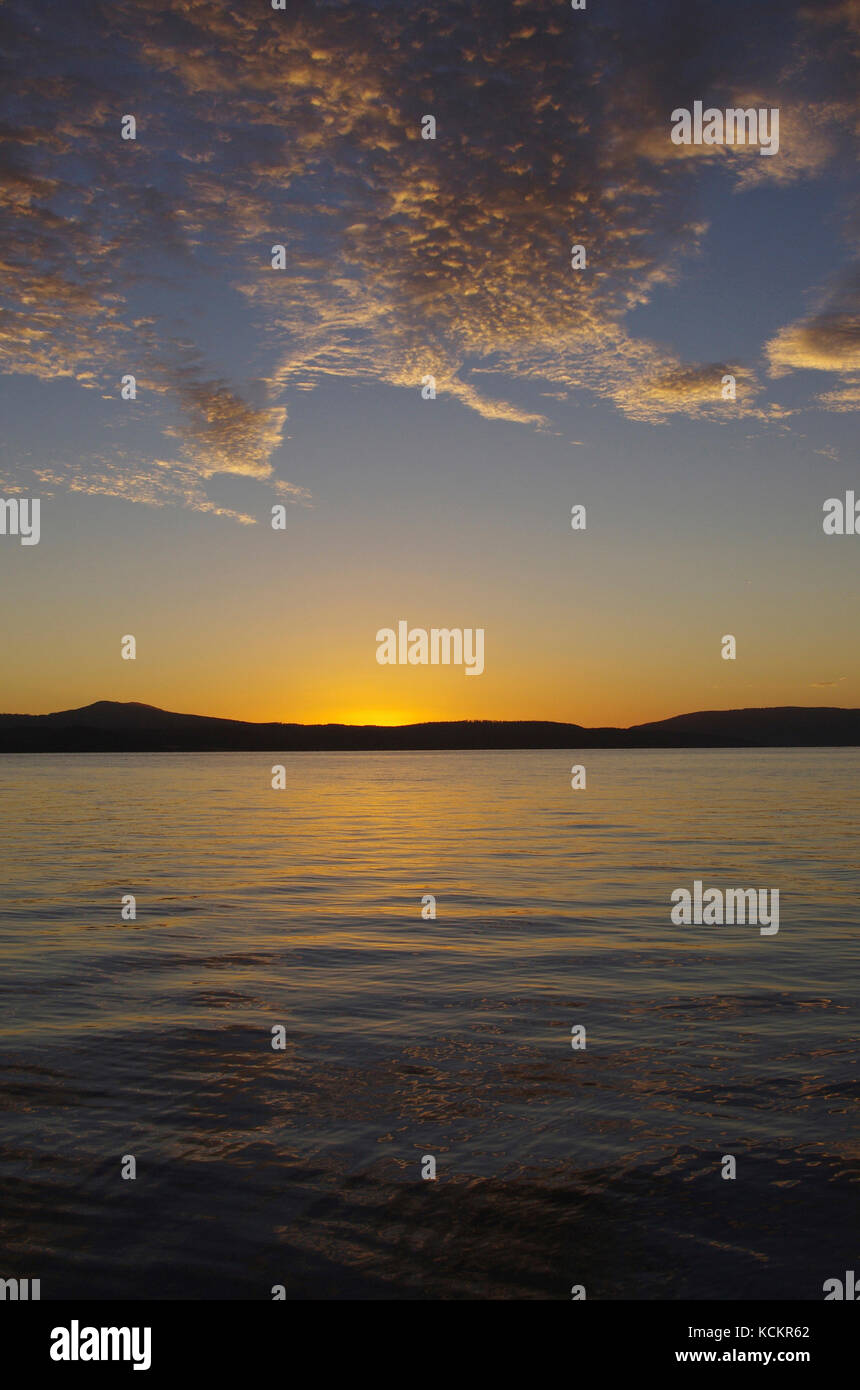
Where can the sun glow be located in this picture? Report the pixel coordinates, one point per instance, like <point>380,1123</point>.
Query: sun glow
<point>372,715</point>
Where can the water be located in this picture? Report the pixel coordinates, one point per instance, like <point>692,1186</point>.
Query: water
<point>407,1037</point>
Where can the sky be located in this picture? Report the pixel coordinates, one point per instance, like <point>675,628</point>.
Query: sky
<point>405,258</point>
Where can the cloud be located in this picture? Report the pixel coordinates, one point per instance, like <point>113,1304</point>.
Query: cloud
<point>843,399</point>
<point>159,483</point>
<point>405,257</point>
<point>827,340</point>
<point>223,433</point>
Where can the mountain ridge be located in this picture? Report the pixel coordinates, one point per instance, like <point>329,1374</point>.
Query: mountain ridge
<point>132,726</point>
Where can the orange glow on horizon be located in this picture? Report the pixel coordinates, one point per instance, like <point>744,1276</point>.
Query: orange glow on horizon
<point>385,717</point>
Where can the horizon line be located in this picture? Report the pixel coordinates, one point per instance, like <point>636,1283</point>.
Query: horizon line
<point>416,723</point>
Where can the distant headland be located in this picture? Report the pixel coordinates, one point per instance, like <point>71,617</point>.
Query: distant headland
<point>112,727</point>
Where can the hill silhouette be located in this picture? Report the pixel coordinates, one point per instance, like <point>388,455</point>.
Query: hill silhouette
<point>111,726</point>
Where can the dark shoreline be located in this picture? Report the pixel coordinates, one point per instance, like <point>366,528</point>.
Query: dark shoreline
<point>109,727</point>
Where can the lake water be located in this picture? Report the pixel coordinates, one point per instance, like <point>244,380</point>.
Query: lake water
<point>407,1037</point>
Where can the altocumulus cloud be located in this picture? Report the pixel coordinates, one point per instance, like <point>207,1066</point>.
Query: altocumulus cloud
<point>404,256</point>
